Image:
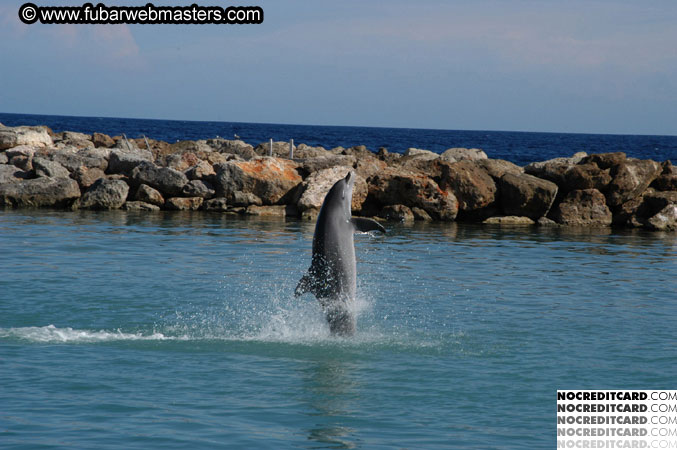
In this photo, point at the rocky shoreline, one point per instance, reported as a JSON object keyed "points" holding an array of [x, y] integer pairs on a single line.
{"points": [[70, 170]]}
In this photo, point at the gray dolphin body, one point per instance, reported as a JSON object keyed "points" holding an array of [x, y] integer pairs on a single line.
{"points": [[332, 274]]}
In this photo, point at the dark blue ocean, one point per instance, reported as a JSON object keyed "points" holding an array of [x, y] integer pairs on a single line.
{"points": [[518, 147]]}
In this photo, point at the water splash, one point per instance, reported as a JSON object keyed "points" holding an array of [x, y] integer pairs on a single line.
{"points": [[52, 334]]}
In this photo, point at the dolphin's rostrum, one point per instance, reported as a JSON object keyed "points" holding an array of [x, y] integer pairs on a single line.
{"points": [[332, 273]]}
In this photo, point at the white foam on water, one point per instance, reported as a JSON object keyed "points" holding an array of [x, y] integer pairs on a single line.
{"points": [[52, 334]]}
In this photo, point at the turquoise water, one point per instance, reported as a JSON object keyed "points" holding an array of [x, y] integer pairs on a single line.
{"points": [[175, 330]]}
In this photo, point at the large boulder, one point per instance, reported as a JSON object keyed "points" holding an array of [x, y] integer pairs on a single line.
{"points": [[472, 186], [32, 136], [412, 189], [630, 179], [397, 213], [584, 207], [270, 179], [554, 169], [72, 139], [45, 168], [459, 154], [124, 160], [637, 211], [421, 153], [105, 194], [167, 181], [56, 192], [316, 186], [605, 160], [526, 195], [202, 170]]}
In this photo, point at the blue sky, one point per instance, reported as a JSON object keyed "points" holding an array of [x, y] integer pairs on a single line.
{"points": [[596, 66]]}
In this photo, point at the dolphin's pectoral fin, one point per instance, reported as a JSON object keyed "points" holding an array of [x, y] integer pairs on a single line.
{"points": [[305, 285], [364, 225]]}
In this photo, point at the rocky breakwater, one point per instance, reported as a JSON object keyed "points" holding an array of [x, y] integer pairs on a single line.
{"points": [[40, 168]]}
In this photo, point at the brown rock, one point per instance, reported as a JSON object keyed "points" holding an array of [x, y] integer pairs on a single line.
{"points": [[102, 140], [471, 185], [667, 180], [526, 195], [311, 165], [412, 189], [198, 188], [184, 203], [268, 211], [586, 207], [509, 221], [87, 176], [605, 160], [420, 214], [398, 213], [140, 206], [201, 171], [270, 179], [586, 176], [147, 194], [630, 179]]}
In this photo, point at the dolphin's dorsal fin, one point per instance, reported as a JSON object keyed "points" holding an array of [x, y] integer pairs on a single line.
{"points": [[364, 225]]}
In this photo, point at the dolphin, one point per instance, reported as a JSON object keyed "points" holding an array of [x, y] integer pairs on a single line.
{"points": [[332, 273]]}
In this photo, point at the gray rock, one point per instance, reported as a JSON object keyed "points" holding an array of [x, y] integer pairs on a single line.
{"points": [[585, 207], [11, 174], [125, 161], [496, 168], [3, 158], [72, 159], [236, 147], [526, 195], [664, 220], [421, 153], [168, 181], [56, 192], [105, 194], [22, 162], [201, 171], [397, 213], [458, 154], [198, 188], [218, 204], [554, 169], [239, 198], [32, 136], [315, 164], [147, 194], [45, 168]]}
